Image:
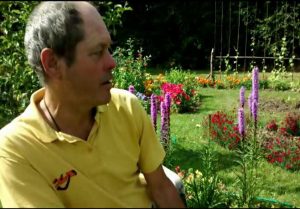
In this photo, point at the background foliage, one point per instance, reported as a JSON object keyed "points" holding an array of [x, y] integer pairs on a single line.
{"points": [[184, 32]]}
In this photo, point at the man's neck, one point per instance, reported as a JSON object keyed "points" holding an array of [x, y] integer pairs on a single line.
{"points": [[68, 115]]}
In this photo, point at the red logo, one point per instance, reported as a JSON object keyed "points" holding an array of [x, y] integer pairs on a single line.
{"points": [[62, 183]]}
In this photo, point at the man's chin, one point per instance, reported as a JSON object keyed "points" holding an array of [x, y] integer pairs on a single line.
{"points": [[105, 98]]}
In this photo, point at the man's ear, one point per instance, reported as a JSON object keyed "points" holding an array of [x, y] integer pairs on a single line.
{"points": [[50, 63]]}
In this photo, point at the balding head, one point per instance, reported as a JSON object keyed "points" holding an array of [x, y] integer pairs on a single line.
{"points": [[59, 26]]}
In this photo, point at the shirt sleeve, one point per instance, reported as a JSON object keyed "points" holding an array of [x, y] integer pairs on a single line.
{"points": [[22, 186], [151, 150]]}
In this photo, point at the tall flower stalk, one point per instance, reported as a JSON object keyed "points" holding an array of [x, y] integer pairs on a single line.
{"points": [[249, 153], [164, 134], [168, 108], [255, 84], [242, 96], [255, 88], [153, 111], [254, 112], [165, 106], [241, 123]]}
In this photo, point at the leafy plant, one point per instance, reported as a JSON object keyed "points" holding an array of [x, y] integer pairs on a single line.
{"points": [[113, 14], [281, 144], [17, 80], [223, 129], [277, 80], [188, 96], [131, 67], [183, 101], [203, 188]]}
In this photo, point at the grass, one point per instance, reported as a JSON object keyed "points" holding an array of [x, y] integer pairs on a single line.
{"points": [[275, 182]]}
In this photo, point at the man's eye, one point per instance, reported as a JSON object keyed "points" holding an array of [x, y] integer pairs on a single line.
{"points": [[98, 53]]}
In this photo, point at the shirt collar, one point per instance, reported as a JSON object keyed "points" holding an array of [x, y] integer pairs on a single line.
{"points": [[42, 129]]}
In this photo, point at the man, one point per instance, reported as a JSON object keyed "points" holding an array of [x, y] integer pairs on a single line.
{"points": [[80, 143]]}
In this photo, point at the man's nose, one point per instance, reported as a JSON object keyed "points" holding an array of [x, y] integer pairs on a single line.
{"points": [[111, 62]]}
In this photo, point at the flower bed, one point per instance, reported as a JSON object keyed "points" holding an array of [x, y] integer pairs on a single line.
{"points": [[281, 144]]}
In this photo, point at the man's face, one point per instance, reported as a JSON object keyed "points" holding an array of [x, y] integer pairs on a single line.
{"points": [[89, 77]]}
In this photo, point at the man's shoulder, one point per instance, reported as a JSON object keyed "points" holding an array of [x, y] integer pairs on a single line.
{"points": [[122, 99], [121, 93], [19, 128], [10, 128], [122, 96], [9, 132]]}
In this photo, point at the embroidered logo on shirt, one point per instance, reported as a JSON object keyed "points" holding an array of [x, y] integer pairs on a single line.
{"points": [[62, 183]]}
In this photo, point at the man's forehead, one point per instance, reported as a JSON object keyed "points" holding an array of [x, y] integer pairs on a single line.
{"points": [[97, 43]]}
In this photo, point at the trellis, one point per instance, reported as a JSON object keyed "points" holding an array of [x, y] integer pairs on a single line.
{"points": [[218, 55]]}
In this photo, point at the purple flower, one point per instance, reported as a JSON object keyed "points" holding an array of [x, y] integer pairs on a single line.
{"points": [[168, 107], [168, 100], [131, 89], [242, 96], [255, 84], [241, 121], [141, 96], [254, 110], [154, 111], [164, 124], [250, 100]]}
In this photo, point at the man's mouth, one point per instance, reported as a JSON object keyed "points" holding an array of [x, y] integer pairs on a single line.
{"points": [[107, 82]]}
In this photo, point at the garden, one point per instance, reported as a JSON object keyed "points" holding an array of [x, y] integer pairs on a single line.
{"points": [[232, 134], [235, 141]]}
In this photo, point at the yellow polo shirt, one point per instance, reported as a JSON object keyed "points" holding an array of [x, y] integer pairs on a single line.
{"points": [[40, 167]]}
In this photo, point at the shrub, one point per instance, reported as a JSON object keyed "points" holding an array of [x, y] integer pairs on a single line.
{"points": [[153, 84], [188, 98], [276, 81], [223, 130], [17, 80], [281, 144], [291, 124], [131, 67], [183, 101], [283, 151]]}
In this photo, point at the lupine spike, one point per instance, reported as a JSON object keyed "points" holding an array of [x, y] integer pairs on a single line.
{"points": [[241, 121], [164, 124], [154, 111], [168, 108], [168, 100], [254, 110]]}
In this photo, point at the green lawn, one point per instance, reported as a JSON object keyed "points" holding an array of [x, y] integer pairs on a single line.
{"points": [[188, 131]]}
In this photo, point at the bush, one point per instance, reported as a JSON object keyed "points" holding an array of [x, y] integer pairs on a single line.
{"points": [[17, 81], [188, 96], [223, 130], [276, 81], [281, 144], [131, 67]]}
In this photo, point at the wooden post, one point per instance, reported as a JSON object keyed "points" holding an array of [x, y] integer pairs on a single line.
{"points": [[211, 74]]}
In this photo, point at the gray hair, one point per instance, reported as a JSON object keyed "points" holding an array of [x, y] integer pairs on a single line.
{"points": [[55, 25]]}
